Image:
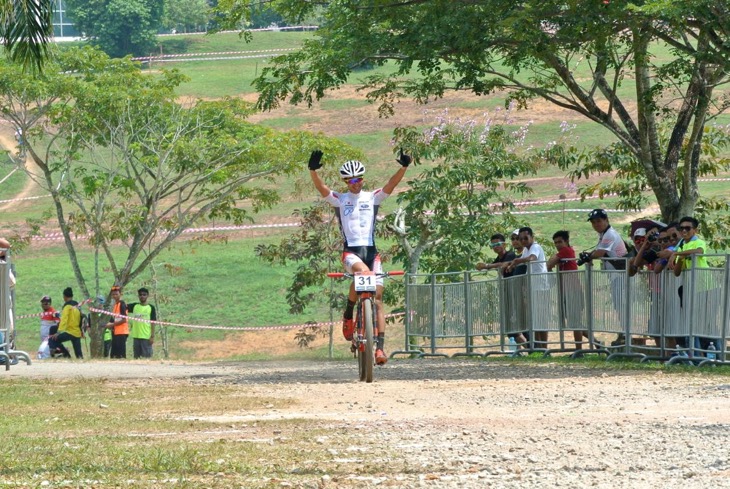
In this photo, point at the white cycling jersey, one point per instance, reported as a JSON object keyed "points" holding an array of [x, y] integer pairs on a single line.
{"points": [[356, 214]]}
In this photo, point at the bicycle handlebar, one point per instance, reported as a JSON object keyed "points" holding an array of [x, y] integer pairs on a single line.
{"points": [[350, 275]]}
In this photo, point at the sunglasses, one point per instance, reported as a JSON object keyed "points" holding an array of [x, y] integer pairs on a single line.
{"points": [[524, 238], [685, 228], [663, 240], [494, 245], [353, 181]]}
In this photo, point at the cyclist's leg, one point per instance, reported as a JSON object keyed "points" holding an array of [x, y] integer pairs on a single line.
{"points": [[352, 264]]}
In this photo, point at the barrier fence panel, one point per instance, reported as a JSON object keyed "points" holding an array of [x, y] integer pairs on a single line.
{"points": [[8, 355], [657, 313]]}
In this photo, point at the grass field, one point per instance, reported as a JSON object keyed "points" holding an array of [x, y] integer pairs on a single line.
{"points": [[224, 283]]}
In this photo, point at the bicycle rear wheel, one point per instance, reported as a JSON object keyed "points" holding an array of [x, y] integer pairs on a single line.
{"points": [[367, 353]]}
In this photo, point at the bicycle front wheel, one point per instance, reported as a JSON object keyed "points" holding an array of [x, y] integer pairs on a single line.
{"points": [[368, 353]]}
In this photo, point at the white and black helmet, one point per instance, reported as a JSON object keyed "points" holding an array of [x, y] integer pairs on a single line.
{"points": [[352, 169]]}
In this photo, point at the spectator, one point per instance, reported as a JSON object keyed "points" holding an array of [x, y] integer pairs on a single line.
{"points": [[49, 322], [118, 324], [141, 329], [571, 287], [647, 250], [647, 257], [705, 293], [504, 256], [639, 239], [610, 245], [517, 248], [69, 328], [533, 254], [672, 240]]}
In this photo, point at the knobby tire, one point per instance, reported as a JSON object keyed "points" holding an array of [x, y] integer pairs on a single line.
{"points": [[368, 355]]}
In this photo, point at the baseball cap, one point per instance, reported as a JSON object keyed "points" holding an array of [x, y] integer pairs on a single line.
{"points": [[597, 214], [515, 232], [640, 232], [46, 298]]}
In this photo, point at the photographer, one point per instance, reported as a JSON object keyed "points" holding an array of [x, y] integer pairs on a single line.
{"points": [[647, 249], [610, 244]]}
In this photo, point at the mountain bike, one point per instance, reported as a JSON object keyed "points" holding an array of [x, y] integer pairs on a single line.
{"points": [[366, 324]]}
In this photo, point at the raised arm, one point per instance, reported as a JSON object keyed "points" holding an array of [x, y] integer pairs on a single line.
{"points": [[404, 160], [315, 163]]}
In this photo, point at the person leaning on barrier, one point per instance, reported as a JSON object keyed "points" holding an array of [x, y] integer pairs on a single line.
{"points": [[572, 287], [668, 239], [498, 245], [534, 255], [517, 249], [692, 244], [610, 244], [640, 240], [504, 257]]}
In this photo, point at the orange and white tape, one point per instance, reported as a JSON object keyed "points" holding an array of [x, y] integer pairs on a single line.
{"points": [[229, 328], [37, 315]]}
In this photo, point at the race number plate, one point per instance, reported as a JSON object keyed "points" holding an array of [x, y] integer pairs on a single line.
{"points": [[365, 282]]}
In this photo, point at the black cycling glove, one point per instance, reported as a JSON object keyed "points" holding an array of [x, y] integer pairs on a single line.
{"points": [[315, 160], [404, 159]]}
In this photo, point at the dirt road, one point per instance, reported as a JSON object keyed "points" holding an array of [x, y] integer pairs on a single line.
{"points": [[466, 423]]}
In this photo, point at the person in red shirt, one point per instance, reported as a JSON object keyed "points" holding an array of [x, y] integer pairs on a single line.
{"points": [[571, 287], [49, 326]]}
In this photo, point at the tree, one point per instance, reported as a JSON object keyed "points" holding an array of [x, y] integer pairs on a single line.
{"points": [[649, 71], [124, 162], [317, 248], [25, 30], [449, 208], [119, 27], [186, 15]]}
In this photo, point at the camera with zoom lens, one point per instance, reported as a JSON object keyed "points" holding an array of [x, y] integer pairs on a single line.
{"points": [[583, 258], [652, 237]]}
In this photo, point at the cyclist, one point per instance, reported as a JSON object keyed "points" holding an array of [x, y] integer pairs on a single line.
{"points": [[356, 213]]}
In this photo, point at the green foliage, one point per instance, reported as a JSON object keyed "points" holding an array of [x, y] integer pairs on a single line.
{"points": [[125, 162], [317, 247], [119, 27], [600, 60], [186, 15], [25, 29], [450, 209]]}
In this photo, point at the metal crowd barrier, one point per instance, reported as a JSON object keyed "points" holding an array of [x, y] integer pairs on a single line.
{"points": [[8, 355], [659, 316]]}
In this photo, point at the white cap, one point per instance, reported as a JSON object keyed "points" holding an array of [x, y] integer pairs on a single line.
{"points": [[515, 232], [640, 232]]}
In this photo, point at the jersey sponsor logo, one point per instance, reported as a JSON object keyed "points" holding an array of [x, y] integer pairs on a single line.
{"points": [[348, 209]]}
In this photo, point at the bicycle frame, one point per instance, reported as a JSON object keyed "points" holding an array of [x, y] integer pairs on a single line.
{"points": [[366, 323]]}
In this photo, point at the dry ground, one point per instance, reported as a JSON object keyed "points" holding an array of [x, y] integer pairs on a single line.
{"points": [[464, 423]]}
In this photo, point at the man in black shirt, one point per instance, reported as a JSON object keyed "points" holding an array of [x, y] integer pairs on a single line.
{"points": [[498, 244]]}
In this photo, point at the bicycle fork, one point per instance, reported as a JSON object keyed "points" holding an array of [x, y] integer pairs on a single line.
{"points": [[358, 339]]}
